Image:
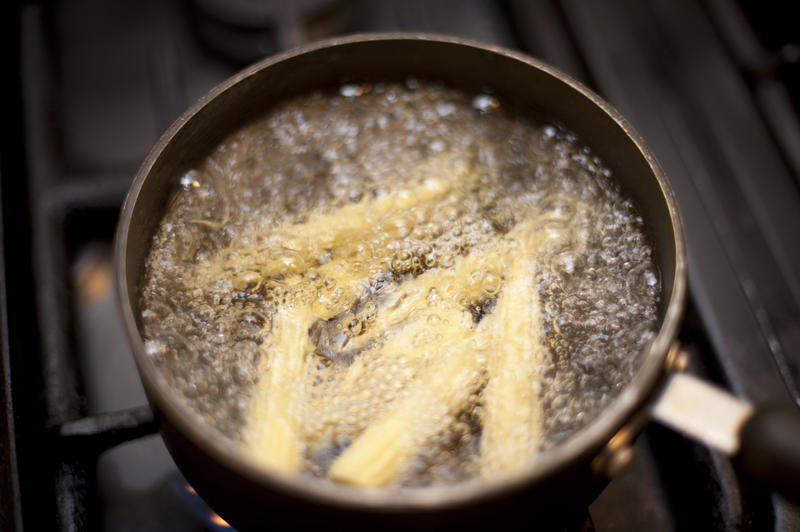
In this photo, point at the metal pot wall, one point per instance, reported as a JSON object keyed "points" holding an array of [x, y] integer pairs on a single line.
{"points": [[569, 475]]}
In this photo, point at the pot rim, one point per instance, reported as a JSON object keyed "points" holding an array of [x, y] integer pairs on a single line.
{"points": [[590, 439]]}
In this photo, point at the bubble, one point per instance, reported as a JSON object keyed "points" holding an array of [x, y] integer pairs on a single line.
{"points": [[437, 146], [368, 312], [351, 90], [355, 327], [154, 349], [430, 260], [490, 284], [189, 180], [403, 261], [483, 103], [445, 108]]}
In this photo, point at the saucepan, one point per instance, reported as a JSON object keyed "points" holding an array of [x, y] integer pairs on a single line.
{"points": [[566, 476]]}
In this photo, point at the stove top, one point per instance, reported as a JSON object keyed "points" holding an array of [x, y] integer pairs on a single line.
{"points": [[712, 85]]}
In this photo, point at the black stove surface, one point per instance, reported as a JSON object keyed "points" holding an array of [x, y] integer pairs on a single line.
{"points": [[712, 85]]}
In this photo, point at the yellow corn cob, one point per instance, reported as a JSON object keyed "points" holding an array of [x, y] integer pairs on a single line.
{"points": [[377, 456], [271, 434], [296, 247], [511, 413]]}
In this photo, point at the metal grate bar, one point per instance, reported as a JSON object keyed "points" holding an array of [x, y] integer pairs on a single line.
{"points": [[95, 434]]}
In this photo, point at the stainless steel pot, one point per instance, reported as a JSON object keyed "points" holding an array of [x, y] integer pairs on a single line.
{"points": [[569, 475]]}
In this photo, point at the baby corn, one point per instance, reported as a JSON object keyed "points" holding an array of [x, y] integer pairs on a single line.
{"points": [[387, 446], [272, 431], [512, 421]]}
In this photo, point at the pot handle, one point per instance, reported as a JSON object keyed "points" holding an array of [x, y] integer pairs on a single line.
{"points": [[766, 441], [770, 449]]}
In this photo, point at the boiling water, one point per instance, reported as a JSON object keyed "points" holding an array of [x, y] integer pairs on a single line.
{"points": [[324, 264]]}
